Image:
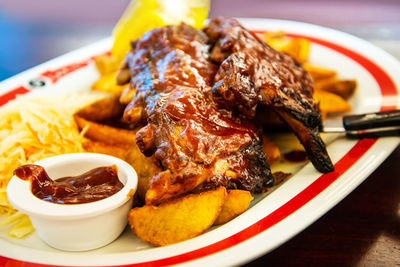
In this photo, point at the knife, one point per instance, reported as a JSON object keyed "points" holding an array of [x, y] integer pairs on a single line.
{"points": [[369, 125]]}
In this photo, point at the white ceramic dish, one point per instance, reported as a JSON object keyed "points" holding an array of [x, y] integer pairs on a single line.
{"points": [[82, 226], [272, 219]]}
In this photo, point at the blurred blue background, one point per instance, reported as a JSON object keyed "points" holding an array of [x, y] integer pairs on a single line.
{"points": [[32, 32]]}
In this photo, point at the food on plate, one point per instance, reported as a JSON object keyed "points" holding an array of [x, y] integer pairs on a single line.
{"points": [[106, 107], [107, 83], [252, 74], [279, 176], [33, 128], [297, 48], [199, 146], [107, 134], [178, 84], [330, 103], [21, 224], [106, 64], [177, 219], [295, 156], [325, 79], [93, 185], [143, 15], [145, 167], [270, 149], [236, 202], [183, 93], [139, 17], [342, 88], [184, 109], [319, 73], [113, 140], [119, 151]]}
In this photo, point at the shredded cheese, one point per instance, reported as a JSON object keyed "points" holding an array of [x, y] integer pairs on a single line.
{"points": [[33, 128]]}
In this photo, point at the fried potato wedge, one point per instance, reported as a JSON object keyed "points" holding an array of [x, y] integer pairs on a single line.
{"points": [[145, 167], [103, 109], [236, 202], [270, 149], [103, 148], [302, 48], [178, 219], [127, 95], [343, 88], [278, 41], [106, 64], [108, 83], [330, 103], [106, 134], [318, 73], [298, 48], [268, 36]]}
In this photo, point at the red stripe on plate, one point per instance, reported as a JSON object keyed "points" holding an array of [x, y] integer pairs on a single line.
{"points": [[12, 94], [388, 90], [56, 74]]}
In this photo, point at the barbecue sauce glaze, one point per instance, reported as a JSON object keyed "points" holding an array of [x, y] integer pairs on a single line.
{"points": [[96, 184]]}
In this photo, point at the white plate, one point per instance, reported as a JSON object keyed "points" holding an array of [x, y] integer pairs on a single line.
{"points": [[272, 219]]}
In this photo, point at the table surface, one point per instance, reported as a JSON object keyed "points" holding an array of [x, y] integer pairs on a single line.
{"points": [[364, 228]]}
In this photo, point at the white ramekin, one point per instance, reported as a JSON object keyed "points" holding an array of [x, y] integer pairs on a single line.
{"points": [[76, 227]]}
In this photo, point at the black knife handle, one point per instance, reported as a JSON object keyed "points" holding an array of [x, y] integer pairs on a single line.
{"points": [[372, 120]]}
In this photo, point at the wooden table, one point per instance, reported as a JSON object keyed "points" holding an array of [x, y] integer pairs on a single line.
{"points": [[362, 230]]}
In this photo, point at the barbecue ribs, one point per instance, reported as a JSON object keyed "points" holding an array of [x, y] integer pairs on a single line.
{"points": [[253, 76], [199, 145]]}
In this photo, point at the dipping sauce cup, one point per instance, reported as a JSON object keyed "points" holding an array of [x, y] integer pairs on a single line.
{"points": [[76, 227]]}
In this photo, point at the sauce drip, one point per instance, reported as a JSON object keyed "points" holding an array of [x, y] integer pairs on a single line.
{"points": [[296, 156], [96, 184]]}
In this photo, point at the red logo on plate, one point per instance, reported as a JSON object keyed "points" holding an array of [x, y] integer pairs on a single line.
{"points": [[55, 75]]}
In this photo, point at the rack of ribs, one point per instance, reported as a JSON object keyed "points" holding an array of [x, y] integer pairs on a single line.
{"points": [[253, 77], [200, 145]]}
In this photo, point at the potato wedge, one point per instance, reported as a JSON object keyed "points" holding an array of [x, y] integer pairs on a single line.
{"points": [[298, 48], [145, 167], [103, 109], [343, 88], [103, 148], [318, 73], [108, 83], [106, 134], [268, 36], [279, 43], [330, 103], [127, 95], [236, 202], [270, 149], [302, 48], [106, 64], [178, 219]]}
